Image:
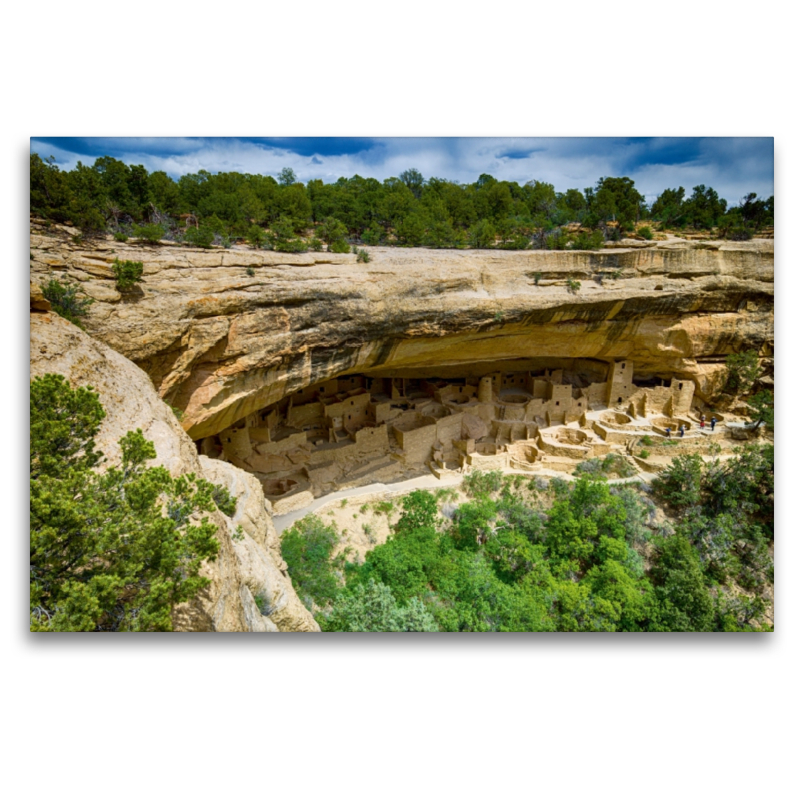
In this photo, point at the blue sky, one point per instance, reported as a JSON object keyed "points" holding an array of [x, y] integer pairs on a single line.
{"points": [[733, 166]]}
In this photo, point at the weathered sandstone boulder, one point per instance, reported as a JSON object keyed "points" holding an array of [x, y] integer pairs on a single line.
{"points": [[246, 567], [263, 570], [220, 343]]}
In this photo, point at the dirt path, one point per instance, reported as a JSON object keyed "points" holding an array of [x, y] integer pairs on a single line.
{"points": [[284, 521]]}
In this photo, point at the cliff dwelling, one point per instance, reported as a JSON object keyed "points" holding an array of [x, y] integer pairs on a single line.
{"points": [[358, 429]]}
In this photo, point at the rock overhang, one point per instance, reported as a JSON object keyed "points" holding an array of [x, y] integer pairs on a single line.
{"points": [[220, 343]]}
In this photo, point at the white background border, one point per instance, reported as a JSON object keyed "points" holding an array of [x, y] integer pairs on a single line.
{"points": [[381, 716]]}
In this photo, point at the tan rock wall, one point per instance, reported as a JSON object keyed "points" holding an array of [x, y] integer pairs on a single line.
{"points": [[220, 344]]}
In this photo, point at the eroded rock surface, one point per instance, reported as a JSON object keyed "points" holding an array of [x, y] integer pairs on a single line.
{"points": [[220, 343], [248, 564]]}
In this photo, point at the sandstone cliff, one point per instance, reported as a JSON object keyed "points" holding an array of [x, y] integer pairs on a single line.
{"points": [[248, 566], [223, 333]]}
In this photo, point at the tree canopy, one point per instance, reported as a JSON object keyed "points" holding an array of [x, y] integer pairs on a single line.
{"points": [[110, 551], [525, 555], [409, 210]]}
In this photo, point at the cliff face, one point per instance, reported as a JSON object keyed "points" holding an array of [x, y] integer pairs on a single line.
{"points": [[246, 567], [225, 333]]}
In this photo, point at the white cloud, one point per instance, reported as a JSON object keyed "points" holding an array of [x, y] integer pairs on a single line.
{"points": [[732, 166]]}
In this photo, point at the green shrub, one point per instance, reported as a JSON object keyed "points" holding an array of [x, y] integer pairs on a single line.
{"points": [[65, 302], [362, 256], [339, 246], [645, 232], [115, 551], [680, 484], [282, 237], [307, 547], [762, 409], [384, 507], [373, 235], [644, 454], [369, 531], [482, 483], [331, 230], [263, 604], [743, 369], [612, 464], [224, 500], [152, 233], [127, 273], [199, 237], [120, 236], [573, 286], [373, 607], [256, 236], [537, 276], [315, 244], [588, 241], [557, 240], [482, 235], [250, 272]]}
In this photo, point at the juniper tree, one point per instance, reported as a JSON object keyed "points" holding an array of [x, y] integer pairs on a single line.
{"points": [[111, 551]]}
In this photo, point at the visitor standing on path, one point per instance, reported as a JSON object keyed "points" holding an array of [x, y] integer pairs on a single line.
{"points": [[702, 420], [681, 431], [669, 433], [713, 423]]}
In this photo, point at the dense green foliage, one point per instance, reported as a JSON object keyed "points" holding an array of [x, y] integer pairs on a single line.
{"points": [[373, 607], [705, 210], [725, 509], [525, 555], [308, 549], [65, 301], [762, 405], [114, 551], [412, 211], [743, 370]]}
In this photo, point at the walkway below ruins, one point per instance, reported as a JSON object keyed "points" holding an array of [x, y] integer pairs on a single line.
{"points": [[283, 522]]}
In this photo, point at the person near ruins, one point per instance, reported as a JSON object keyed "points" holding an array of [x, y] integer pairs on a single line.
{"points": [[713, 423], [681, 431], [702, 420], [669, 433]]}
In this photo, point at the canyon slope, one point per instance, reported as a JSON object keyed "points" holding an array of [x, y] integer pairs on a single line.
{"points": [[224, 333], [249, 588]]}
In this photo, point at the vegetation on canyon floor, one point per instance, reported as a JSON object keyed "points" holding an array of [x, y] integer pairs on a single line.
{"points": [[205, 209], [526, 554], [110, 551]]}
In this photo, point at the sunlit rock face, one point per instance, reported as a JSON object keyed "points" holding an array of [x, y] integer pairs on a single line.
{"points": [[248, 569], [225, 333]]}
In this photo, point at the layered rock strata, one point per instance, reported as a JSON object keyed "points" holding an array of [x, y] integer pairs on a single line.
{"points": [[225, 333]]}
